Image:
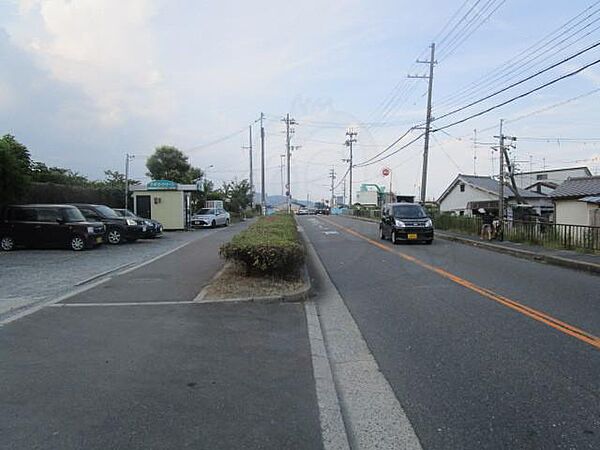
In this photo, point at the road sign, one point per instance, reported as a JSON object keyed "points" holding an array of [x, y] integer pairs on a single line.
{"points": [[385, 171]]}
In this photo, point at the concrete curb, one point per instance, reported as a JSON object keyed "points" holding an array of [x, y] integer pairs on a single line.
{"points": [[525, 254]]}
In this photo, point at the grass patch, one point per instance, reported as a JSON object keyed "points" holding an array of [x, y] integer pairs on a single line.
{"points": [[271, 246]]}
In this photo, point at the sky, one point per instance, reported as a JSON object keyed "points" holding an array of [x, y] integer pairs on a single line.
{"points": [[83, 82]]}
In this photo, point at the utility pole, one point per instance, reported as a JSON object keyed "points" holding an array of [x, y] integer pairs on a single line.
{"points": [[249, 148], [333, 177], [501, 205], [251, 168], [281, 164], [475, 151], [344, 192], [351, 139], [429, 77], [128, 158], [263, 197], [288, 152]]}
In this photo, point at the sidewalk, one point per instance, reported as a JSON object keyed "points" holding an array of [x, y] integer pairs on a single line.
{"points": [[565, 258], [135, 363]]}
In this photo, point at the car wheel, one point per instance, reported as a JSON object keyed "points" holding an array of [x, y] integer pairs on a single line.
{"points": [[394, 240], [7, 243], [77, 243], [114, 236], [227, 222], [213, 224], [429, 242], [381, 234]]}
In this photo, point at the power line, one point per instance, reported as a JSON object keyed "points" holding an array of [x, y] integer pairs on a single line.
{"points": [[218, 140], [393, 153], [525, 94], [523, 59], [470, 28], [530, 77]]}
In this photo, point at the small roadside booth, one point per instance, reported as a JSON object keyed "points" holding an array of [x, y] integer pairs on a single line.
{"points": [[165, 201]]}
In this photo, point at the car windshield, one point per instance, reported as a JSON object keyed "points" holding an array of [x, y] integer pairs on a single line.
{"points": [[73, 215], [107, 212], [206, 211], [409, 212], [124, 212]]}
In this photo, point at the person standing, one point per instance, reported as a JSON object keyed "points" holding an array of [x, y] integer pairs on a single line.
{"points": [[488, 224]]}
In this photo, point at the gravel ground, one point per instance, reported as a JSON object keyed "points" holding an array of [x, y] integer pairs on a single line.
{"points": [[30, 276], [233, 283]]}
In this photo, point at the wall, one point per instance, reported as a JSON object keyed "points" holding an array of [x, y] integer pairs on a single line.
{"points": [[571, 212], [527, 179], [457, 200], [366, 198], [170, 211]]}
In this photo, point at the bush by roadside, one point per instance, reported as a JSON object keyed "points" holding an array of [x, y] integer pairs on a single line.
{"points": [[269, 246]]}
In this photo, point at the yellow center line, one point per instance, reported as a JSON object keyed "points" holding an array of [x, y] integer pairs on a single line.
{"points": [[512, 304]]}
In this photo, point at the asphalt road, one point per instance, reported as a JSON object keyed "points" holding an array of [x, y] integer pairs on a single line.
{"points": [[92, 372], [482, 350]]}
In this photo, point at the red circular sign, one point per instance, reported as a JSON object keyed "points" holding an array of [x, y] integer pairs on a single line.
{"points": [[385, 171]]}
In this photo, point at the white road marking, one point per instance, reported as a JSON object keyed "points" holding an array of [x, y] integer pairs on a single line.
{"points": [[330, 232], [372, 414], [160, 303]]}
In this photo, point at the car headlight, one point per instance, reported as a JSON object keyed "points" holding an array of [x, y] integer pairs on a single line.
{"points": [[147, 222], [131, 222], [90, 230], [399, 223], [428, 223]]}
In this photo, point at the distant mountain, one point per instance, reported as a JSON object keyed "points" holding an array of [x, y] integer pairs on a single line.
{"points": [[279, 199]]}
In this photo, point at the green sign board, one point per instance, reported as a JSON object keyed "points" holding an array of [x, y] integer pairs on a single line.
{"points": [[162, 185]]}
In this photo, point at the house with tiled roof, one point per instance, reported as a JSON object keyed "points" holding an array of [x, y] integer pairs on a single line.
{"points": [[577, 201], [467, 193]]}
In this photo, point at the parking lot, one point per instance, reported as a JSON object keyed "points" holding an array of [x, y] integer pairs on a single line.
{"points": [[28, 277]]}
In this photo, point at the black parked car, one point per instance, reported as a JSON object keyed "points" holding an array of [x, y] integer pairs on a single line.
{"points": [[405, 222], [118, 229], [48, 226], [153, 227]]}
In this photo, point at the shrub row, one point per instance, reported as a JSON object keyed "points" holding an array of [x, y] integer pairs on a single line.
{"points": [[269, 246]]}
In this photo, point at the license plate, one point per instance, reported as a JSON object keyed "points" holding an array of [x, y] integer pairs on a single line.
{"points": [[143, 229], [98, 239], [412, 236]]}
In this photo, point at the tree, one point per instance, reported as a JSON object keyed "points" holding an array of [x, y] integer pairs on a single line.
{"points": [[238, 194], [115, 179], [169, 163], [14, 180], [18, 150], [44, 174], [15, 166]]}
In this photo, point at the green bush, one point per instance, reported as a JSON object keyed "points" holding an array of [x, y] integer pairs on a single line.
{"points": [[269, 246]]}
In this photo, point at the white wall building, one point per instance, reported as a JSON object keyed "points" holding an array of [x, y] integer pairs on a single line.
{"points": [[543, 181], [577, 202], [467, 193]]}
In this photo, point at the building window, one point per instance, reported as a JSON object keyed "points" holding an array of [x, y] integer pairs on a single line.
{"points": [[462, 187], [542, 176]]}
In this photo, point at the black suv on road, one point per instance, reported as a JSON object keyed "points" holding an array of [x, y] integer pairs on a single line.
{"points": [[118, 229], [48, 226], [405, 222]]}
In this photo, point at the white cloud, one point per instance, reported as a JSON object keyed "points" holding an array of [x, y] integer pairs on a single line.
{"points": [[106, 48]]}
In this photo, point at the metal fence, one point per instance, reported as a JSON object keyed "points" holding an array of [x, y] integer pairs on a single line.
{"points": [[577, 237]]}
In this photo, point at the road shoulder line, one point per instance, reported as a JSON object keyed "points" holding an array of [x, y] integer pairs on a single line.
{"points": [[371, 412], [333, 430]]}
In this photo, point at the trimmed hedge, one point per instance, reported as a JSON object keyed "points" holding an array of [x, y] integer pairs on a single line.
{"points": [[269, 246]]}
